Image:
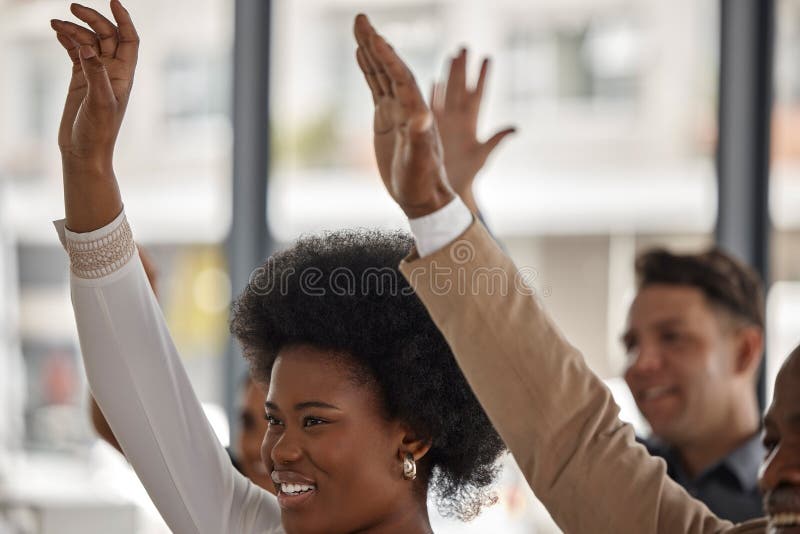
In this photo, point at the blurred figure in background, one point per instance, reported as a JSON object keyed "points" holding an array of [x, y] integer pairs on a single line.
{"points": [[695, 339]]}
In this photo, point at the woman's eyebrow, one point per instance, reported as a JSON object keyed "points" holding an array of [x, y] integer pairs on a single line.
{"points": [[303, 405], [315, 404]]}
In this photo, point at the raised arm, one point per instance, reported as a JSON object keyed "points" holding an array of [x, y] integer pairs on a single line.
{"points": [[456, 107], [99, 421], [558, 418], [132, 365], [103, 63]]}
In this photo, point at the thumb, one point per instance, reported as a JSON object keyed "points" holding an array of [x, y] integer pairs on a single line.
{"points": [[495, 140], [96, 75]]}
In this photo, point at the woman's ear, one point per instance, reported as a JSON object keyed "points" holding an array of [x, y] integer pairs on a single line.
{"points": [[414, 445]]}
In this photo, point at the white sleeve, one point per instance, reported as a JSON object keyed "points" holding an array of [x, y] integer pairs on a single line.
{"points": [[442, 227], [138, 380]]}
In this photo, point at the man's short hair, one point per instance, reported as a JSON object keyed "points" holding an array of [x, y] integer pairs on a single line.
{"points": [[725, 281]]}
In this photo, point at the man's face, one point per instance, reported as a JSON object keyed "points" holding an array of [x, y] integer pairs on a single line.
{"points": [[780, 473], [680, 361]]}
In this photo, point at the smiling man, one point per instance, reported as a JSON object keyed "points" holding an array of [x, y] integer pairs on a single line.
{"points": [[694, 340]]}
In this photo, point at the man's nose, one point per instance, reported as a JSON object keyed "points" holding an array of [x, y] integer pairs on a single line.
{"points": [[645, 359]]}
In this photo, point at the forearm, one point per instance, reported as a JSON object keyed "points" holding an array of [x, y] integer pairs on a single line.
{"points": [[91, 195]]}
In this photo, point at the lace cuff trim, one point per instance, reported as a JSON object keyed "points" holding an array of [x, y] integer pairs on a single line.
{"points": [[100, 255]]}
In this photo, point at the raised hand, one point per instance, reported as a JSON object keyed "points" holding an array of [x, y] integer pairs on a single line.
{"points": [[455, 108], [103, 63], [407, 145]]}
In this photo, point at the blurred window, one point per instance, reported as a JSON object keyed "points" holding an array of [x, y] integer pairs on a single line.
{"points": [[784, 295]]}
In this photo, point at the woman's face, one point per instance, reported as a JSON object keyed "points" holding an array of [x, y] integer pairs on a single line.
{"points": [[336, 461], [251, 436]]}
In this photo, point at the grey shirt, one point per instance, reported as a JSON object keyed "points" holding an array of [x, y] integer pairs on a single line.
{"points": [[729, 488]]}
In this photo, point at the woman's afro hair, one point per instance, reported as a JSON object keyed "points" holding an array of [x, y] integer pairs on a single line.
{"points": [[343, 292]]}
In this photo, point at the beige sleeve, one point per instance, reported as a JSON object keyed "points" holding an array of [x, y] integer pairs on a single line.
{"points": [[558, 419]]}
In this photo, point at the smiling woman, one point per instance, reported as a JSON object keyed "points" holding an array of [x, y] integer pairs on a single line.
{"points": [[367, 407], [362, 385]]}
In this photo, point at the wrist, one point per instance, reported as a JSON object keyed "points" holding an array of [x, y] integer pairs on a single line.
{"points": [[87, 168], [440, 198]]}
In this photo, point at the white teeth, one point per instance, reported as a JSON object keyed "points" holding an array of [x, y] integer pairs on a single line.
{"points": [[653, 393], [295, 489], [785, 520]]}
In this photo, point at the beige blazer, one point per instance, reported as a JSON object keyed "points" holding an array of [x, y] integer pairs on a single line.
{"points": [[557, 418]]}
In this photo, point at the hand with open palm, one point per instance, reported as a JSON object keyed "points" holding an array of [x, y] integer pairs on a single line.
{"points": [[407, 145], [456, 108]]}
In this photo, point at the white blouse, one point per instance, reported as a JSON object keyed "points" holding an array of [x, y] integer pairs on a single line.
{"points": [[137, 377]]}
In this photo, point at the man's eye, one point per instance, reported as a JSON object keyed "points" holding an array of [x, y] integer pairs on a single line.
{"points": [[670, 337], [313, 421]]}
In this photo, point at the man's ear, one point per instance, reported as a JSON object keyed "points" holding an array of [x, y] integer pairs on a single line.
{"points": [[749, 350]]}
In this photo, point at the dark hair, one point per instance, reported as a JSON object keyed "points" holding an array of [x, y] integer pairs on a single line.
{"points": [[725, 281], [343, 292]]}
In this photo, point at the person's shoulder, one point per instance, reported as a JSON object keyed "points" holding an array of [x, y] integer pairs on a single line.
{"points": [[750, 527]]}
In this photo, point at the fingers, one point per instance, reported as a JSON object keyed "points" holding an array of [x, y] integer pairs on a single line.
{"points": [[128, 44], [369, 74], [364, 32], [79, 34], [478, 93], [378, 57], [455, 94], [403, 85], [495, 140], [70, 46], [105, 31], [96, 75]]}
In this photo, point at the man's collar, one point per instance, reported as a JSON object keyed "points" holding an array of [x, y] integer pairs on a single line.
{"points": [[745, 461]]}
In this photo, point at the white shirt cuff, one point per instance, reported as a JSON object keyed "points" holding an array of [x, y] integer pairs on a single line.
{"points": [[101, 252], [433, 232]]}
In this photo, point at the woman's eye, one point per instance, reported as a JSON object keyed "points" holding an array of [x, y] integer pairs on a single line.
{"points": [[313, 421], [770, 444], [272, 420]]}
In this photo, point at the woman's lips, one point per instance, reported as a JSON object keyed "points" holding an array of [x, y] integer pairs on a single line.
{"points": [[783, 508], [290, 501]]}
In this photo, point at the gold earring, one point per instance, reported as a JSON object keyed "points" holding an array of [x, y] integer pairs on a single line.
{"points": [[409, 467]]}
